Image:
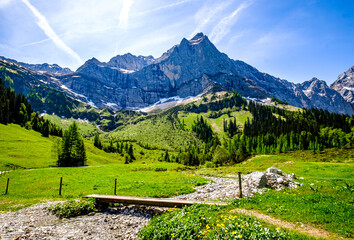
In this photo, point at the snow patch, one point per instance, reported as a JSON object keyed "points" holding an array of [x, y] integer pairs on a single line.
{"points": [[43, 81], [172, 100], [126, 71], [255, 99], [348, 88], [89, 102], [109, 104]]}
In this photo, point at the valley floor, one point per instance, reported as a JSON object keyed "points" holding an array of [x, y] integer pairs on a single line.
{"points": [[124, 222]]}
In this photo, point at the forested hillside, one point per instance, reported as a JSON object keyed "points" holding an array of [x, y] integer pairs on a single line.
{"points": [[14, 108]]}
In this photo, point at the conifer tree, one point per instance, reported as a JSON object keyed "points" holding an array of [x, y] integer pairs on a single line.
{"points": [[72, 151], [97, 142]]}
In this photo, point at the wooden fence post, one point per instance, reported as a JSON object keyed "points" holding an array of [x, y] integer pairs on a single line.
{"points": [[240, 184], [115, 186], [61, 183], [7, 186]]}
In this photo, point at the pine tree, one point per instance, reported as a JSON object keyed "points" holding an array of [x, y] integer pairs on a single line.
{"points": [[72, 151], [97, 142], [131, 152], [167, 156]]}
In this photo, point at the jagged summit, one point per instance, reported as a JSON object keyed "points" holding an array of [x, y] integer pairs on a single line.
{"points": [[188, 69], [198, 38], [345, 85], [131, 62]]}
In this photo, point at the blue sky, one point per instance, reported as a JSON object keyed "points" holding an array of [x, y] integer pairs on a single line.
{"points": [[291, 39]]}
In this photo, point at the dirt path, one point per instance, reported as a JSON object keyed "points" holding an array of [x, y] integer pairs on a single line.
{"points": [[303, 228]]}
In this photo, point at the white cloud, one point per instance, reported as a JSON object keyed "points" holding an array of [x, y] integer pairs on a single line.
{"points": [[4, 3], [224, 25], [207, 14], [167, 6], [44, 25], [124, 14]]}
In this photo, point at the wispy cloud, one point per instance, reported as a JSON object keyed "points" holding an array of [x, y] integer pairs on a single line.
{"points": [[166, 6], [44, 25], [224, 25], [42, 41], [207, 14], [124, 14], [4, 3]]}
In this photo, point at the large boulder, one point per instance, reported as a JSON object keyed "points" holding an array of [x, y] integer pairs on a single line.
{"points": [[256, 180]]}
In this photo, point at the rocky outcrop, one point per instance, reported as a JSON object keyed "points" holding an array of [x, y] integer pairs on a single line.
{"points": [[130, 62], [345, 85], [321, 96]]}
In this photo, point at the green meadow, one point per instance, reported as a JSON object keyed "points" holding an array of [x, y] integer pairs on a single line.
{"points": [[325, 201]]}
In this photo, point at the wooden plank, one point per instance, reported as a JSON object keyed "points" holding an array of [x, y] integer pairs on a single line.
{"points": [[161, 202]]}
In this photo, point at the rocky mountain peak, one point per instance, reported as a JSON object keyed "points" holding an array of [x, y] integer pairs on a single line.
{"points": [[198, 36], [130, 62], [345, 85], [188, 69], [91, 63], [314, 85], [322, 96]]}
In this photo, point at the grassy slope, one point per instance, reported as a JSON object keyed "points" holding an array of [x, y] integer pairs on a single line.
{"points": [[86, 129], [327, 203], [217, 123], [157, 132], [23, 148], [28, 149]]}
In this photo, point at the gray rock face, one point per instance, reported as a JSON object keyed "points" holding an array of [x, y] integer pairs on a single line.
{"points": [[130, 62], [45, 67], [189, 69], [345, 85], [322, 96]]}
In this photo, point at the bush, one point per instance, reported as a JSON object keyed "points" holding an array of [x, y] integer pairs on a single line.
{"points": [[204, 221], [73, 208]]}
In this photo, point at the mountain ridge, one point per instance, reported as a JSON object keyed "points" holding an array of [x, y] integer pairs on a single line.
{"points": [[188, 69]]}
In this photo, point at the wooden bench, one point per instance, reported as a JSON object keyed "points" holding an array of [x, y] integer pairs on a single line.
{"points": [[161, 202]]}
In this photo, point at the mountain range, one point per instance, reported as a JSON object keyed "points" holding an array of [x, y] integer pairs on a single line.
{"points": [[188, 69]]}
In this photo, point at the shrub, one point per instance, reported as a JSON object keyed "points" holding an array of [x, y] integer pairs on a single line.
{"points": [[204, 222], [73, 208]]}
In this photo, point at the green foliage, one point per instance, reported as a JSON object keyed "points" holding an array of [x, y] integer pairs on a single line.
{"points": [[205, 222], [277, 101], [72, 151], [203, 130], [97, 142], [87, 129], [325, 204], [73, 208], [14, 108], [230, 127], [156, 132], [235, 100]]}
